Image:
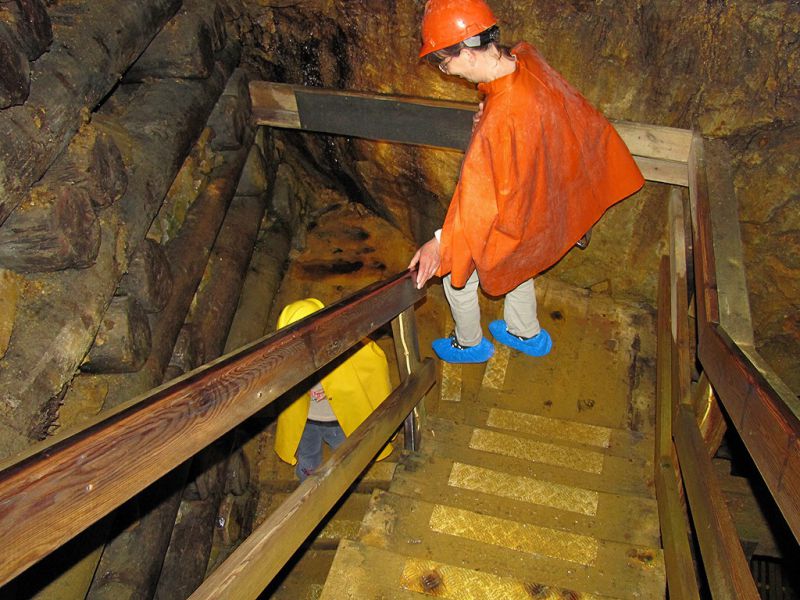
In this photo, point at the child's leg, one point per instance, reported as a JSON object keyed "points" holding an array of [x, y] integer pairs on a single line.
{"points": [[309, 450], [334, 436]]}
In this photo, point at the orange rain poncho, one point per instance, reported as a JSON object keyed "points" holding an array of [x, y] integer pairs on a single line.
{"points": [[542, 166]]}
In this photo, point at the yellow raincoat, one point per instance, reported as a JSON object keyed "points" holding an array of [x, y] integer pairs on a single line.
{"points": [[355, 388]]}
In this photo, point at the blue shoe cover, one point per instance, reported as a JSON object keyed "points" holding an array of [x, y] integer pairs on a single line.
{"points": [[538, 345], [449, 351]]}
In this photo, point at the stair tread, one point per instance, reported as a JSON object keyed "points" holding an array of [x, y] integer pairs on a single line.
{"points": [[560, 461], [515, 548], [604, 515], [366, 572]]}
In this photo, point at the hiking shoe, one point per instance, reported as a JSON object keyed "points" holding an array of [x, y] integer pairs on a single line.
{"points": [[538, 345], [449, 350]]}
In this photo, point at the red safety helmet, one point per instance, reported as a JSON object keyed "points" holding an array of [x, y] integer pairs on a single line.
{"points": [[448, 22]]}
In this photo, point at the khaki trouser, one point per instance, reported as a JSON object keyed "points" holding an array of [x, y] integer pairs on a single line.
{"points": [[519, 310]]}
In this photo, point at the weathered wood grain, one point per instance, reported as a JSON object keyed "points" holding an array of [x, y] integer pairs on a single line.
{"points": [[149, 278], [94, 43], [61, 311], [661, 152], [58, 488], [30, 23], [766, 413], [723, 559], [15, 71], [182, 49]]}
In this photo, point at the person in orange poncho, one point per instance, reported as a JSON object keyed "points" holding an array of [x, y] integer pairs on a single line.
{"points": [[333, 407], [541, 168]]}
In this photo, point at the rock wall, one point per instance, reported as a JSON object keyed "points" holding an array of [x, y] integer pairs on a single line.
{"points": [[729, 69]]}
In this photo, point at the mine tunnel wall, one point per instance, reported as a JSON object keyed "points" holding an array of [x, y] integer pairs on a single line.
{"points": [[136, 195]]}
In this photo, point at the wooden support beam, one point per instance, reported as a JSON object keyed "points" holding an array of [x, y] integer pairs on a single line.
{"points": [[96, 45], [122, 343], [30, 25], [253, 565], [661, 152], [182, 49], [724, 562], [60, 487], [154, 134]]}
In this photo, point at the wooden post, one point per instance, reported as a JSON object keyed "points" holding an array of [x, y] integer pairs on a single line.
{"points": [[404, 331], [680, 569], [30, 24], [149, 278], [182, 49], [15, 71], [679, 300]]}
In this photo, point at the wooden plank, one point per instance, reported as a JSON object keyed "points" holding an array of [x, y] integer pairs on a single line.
{"points": [[664, 412], [681, 572], [723, 560], [661, 152], [262, 555], [679, 302], [655, 141], [662, 171], [98, 467], [705, 273]]}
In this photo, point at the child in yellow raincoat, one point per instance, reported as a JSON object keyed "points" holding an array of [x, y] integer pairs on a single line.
{"points": [[335, 406]]}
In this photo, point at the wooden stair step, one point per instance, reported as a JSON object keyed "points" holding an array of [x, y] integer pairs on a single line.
{"points": [[603, 515], [618, 442], [366, 572], [564, 462], [516, 548]]}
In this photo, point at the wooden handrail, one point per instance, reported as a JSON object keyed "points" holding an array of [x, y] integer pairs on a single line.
{"points": [[764, 410], [724, 563], [59, 488], [247, 571]]}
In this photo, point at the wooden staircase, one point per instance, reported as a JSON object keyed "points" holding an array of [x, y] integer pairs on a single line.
{"points": [[506, 500]]}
